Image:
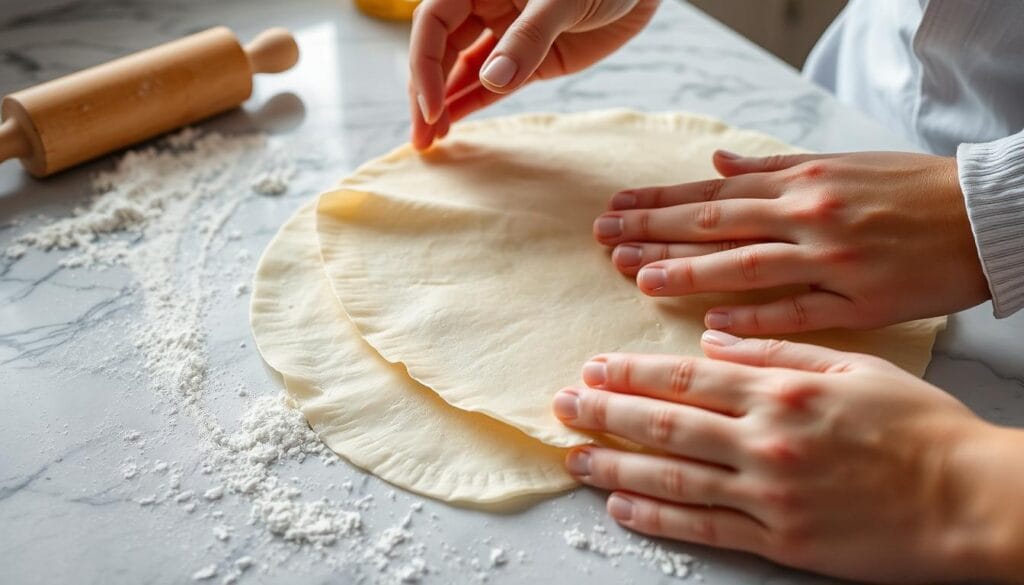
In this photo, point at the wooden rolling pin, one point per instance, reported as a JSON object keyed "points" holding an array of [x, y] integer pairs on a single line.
{"points": [[70, 120]]}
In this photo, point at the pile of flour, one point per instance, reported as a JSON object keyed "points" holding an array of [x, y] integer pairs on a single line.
{"points": [[161, 214]]}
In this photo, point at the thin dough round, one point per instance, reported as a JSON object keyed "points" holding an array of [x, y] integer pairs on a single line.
{"points": [[475, 266], [370, 411]]}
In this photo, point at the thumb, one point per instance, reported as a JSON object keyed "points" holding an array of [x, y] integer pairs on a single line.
{"points": [[731, 164], [526, 43], [775, 353]]}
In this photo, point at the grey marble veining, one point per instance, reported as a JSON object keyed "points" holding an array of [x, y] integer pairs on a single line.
{"points": [[67, 515]]}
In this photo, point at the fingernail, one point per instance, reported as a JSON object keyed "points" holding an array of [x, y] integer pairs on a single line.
{"points": [[620, 508], [652, 279], [567, 404], [728, 155], [608, 227], [624, 200], [628, 255], [717, 320], [719, 338], [500, 71], [422, 101], [595, 373], [578, 462]]}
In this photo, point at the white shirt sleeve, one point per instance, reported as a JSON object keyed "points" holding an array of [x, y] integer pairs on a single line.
{"points": [[992, 179]]}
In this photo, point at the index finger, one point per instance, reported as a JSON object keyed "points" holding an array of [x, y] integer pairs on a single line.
{"points": [[754, 186], [433, 22], [720, 386]]}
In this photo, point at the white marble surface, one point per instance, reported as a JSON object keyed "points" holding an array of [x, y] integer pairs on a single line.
{"points": [[67, 514]]}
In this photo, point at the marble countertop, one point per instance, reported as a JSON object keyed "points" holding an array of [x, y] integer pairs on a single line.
{"points": [[74, 408]]}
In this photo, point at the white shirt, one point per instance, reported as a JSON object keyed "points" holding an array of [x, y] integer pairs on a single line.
{"points": [[949, 75]]}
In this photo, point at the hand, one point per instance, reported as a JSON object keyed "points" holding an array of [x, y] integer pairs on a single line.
{"points": [[834, 462], [465, 55], [878, 238]]}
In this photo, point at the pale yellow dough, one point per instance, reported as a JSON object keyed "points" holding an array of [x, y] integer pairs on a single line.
{"points": [[370, 411], [474, 264]]}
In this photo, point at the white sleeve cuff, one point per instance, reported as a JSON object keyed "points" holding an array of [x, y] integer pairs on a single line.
{"points": [[992, 179]]}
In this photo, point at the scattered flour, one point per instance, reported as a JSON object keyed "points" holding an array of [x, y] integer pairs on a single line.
{"points": [[498, 557], [206, 573], [670, 563]]}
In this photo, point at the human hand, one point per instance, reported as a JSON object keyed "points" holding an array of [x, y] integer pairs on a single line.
{"points": [[879, 238], [834, 462], [465, 55]]}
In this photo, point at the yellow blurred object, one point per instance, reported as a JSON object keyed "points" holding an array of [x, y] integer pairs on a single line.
{"points": [[388, 9]]}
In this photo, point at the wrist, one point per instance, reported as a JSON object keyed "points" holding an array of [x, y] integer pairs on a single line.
{"points": [[985, 538]]}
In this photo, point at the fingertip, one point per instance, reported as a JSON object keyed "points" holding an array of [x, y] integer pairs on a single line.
{"points": [[595, 373], [727, 155], [652, 279], [627, 257], [718, 319], [607, 228], [421, 101], [727, 163], [620, 507], [577, 461], [443, 125], [623, 200], [422, 141], [498, 72], [566, 404], [716, 338]]}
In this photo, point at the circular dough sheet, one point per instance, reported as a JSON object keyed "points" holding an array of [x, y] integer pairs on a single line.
{"points": [[368, 410], [475, 266]]}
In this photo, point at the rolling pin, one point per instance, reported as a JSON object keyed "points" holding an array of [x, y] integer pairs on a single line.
{"points": [[70, 120]]}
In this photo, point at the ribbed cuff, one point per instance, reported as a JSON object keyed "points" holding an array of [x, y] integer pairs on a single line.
{"points": [[992, 179]]}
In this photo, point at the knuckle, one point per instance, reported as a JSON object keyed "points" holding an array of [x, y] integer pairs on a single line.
{"points": [[814, 170], [662, 426], [663, 252], [622, 369], [712, 189], [822, 207], [777, 452], [754, 318], [772, 349], [643, 225], [647, 517], [705, 530], [606, 470], [796, 395], [750, 263], [657, 197], [783, 498], [681, 378], [797, 313], [774, 161], [653, 517], [681, 274], [726, 245], [598, 403], [838, 255], [673, 482], [709, 214], [529, 32]]}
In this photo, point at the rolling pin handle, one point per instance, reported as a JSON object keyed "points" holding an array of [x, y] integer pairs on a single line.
{"points": [[13, 142], [272, 51]]}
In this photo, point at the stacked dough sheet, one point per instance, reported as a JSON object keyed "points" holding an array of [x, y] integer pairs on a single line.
{"points": [[424, 313]]}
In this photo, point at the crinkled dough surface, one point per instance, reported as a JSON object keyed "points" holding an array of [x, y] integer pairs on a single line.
{"points": [[473, 264], [370, 411]]}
